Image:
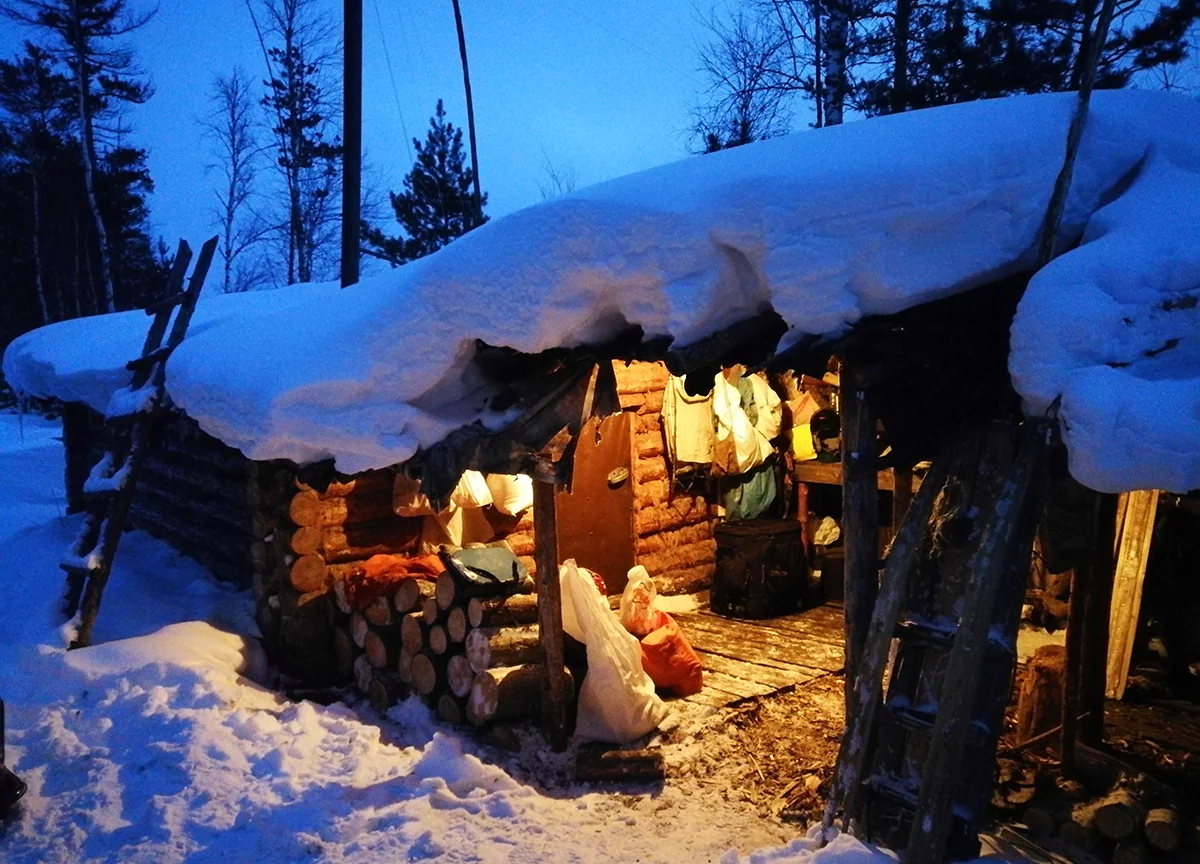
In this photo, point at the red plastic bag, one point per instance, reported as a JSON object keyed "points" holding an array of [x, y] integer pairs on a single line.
{"points": [[670, 661]]}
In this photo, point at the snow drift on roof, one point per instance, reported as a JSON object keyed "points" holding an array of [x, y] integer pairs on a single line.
{"points": [[823, 226]]}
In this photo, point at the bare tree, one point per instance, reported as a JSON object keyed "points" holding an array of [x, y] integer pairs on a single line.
{"points": [[232, 133], [302, 54], [559, 180], [87, 39], [749, 87]]}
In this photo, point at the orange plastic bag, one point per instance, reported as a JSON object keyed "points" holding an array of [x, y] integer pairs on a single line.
{"points": [[670, 661]]}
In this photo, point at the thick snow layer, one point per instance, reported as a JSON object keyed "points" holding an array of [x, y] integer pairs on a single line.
{"points": [[83, 359], [154, 746], [823, 226], [1114, 328]]}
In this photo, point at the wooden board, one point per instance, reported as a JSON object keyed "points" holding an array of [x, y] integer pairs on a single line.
{"points": [[595, 521], [749, 659], [1135, 533], [830, 474]]}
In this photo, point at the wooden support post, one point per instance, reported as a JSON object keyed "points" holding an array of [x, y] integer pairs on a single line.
{"points": [[1081, 588], [351, 138], [860, 523], [549, 596], [1095, 628], [901, 496]]}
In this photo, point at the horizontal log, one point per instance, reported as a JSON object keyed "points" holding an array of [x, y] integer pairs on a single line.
{"points": [[509, 694], [502, 646], [451, 709], [369, 483], [412, 593], [459, 675], [364, 674], [412, 632], [640, 377], [439, 642], [645, 470], [520, 542], [594, 764], [309, 509], [309, 573], [503, 611], [385, 690], [382, 648], [359, 628], [424, 674], [456, 625], [687, 581], [393, 535], [681, 558], [701, 532], [668, 515]]}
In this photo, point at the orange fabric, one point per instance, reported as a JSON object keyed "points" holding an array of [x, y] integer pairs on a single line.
{"points": [[670, 661], [379, 575]]}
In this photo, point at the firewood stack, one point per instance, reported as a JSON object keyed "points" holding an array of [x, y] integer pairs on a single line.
{"points": [[473, 660], [1129, 824]]}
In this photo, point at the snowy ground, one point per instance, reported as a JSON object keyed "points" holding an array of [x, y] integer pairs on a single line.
{"points": [[153, 746]]}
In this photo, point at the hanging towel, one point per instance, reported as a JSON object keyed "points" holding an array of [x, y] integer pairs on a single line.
{"points": [[687, 424]]}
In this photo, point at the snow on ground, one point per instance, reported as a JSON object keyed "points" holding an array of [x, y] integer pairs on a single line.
{"points": [[152, 746], [824, 226]]}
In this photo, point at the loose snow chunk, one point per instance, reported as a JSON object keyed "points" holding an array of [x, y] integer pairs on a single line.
{"points": [[125, 401], [1114, 327]]}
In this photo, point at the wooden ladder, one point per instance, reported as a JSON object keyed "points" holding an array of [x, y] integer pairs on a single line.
{"points": [[133, 418], [915, 767]]}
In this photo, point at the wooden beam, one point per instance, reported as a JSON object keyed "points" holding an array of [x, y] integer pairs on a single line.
{"points": [[860, 525], [1095, 628], [902, 494], [545, 555], [1133, 552], [1073, 678], [830, 474]]}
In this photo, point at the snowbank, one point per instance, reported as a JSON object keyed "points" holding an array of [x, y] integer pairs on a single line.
{"points": [[824, 226]]}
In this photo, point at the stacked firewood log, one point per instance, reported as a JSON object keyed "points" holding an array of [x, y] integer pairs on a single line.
{"points": [[474, 660], [1132, 823]]}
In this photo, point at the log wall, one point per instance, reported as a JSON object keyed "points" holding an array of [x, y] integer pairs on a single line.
{"points": [[674, 529]]}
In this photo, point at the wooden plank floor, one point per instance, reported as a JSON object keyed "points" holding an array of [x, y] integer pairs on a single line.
{"points": [[747, 659]]}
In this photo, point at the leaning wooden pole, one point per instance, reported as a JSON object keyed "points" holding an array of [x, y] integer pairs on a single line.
{"points": [[351, 139], [549, 604], [462, 52], [860, 524], [1062, 186]]}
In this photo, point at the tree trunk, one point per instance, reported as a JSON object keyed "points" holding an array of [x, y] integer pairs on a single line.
{"points": [[1040, 704], [462, 51], [837, 32], [900, 56], [818, 62], [37, 247], [87, 155]]}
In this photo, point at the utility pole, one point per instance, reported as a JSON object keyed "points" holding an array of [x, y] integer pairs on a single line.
{"points": [[352, 139], [462, 51]]}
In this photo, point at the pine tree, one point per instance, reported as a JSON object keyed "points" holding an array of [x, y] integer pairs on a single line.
{"points": [[86, 37], [307, 147], [438, 201]]}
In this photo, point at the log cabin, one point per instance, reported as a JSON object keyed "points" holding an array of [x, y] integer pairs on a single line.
{"points": [[937, 275]]}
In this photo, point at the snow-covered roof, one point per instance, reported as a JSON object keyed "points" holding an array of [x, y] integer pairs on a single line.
{"points": [[824, 226]]}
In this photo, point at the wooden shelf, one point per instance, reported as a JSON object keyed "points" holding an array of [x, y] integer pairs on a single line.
{"points": [[830, 474]]}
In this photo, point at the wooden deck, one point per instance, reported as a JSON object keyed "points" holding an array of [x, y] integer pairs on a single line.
{"points": [[747, 659]]}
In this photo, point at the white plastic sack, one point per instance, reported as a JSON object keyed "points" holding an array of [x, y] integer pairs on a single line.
{"points": [[638, 613], [768, 405], [471, 492], [739, 447], [617, 702], [512, 494]]}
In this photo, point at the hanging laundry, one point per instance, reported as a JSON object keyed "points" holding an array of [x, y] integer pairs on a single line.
{"points": [[752, 493], [768, 406], [687, 424], [738, 446]]}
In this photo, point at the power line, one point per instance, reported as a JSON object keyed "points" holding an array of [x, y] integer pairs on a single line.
{"points": [[387, 56]]}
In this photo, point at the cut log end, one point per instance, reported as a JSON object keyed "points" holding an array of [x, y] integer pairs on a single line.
{"points": [[309, 573], [1164, 830], [456, 624], [450, 710], [445, 591], [459, 675], [424, 675], [439, 642]]}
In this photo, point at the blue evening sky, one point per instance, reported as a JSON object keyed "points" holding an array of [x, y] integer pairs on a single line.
{"points": [[602, 87]]}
